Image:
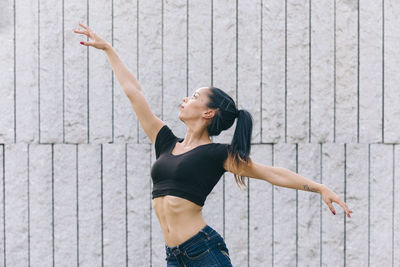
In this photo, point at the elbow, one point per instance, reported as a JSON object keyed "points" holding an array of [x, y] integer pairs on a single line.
{"points": [[132, 86], [131, 92]]}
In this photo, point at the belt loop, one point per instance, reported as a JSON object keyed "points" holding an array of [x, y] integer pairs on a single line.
{"points": [[176, 249], [207, 235]]}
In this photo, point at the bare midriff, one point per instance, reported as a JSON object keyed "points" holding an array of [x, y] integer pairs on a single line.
{"points": [[180, 219]]}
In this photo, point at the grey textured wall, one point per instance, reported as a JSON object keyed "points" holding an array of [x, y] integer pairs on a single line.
{"points": [[321, 79]]}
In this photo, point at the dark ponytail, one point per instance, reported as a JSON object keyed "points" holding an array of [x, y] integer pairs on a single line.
{"points": [[240, 147]]}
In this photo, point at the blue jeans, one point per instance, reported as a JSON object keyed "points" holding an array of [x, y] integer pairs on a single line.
{"points": [[206, 248]]}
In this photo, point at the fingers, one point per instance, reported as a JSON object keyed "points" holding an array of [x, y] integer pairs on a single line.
{"points": [[329, 197], [331, 207], [345, 207], [87, 43], [85, 32], [80, 31], [83, 25], [342, 204]]}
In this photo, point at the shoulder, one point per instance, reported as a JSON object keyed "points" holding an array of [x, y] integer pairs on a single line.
{"points": [[164, 132], [220, 154], [229, 164], [164, 138], [221, 148]]}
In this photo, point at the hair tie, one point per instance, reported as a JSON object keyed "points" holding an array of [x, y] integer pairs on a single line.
{"points": [[227, 103]]}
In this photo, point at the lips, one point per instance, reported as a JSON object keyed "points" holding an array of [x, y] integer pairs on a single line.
{"points": [[182, 106]]}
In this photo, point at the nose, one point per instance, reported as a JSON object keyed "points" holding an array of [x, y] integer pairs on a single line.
{"points": [[184, 99]]}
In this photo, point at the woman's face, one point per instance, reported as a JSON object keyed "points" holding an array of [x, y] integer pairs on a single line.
{"points": [[194, 107]]}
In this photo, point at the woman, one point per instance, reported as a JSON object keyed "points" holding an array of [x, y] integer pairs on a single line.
{"points": [[187, 169]]}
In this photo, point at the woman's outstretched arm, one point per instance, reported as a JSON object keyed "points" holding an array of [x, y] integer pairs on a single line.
{"points": [[286, 178]]}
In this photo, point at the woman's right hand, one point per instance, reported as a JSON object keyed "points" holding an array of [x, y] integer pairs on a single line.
{"points": [[97, 42]]}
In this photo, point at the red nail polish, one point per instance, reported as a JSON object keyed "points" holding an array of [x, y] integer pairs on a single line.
{"points": [[334, 213], [81, 43]]}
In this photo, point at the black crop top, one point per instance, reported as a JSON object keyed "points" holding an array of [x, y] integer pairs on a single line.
{"points": [[191, 175]]}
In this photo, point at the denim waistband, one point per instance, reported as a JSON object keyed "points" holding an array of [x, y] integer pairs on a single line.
{"points": [[207, 232]]}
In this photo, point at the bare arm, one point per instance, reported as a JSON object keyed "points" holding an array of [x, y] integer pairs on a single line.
{"points": [[124, 76], [276, 176], [286, 178], [150, 123]]}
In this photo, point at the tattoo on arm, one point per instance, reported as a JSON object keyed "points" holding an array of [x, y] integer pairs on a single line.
{"points": [[307, 188]]}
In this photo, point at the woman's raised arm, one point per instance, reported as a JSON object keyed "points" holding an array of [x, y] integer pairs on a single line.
{"points": [[150, 123], [124, 76]]}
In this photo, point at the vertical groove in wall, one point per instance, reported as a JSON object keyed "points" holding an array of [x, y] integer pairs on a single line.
{"points": [[237, 56], [29, 211], [309, 71], [52, 200], [345, 199], [137, 61], [236, 68], [38, 77], [272, 215], [358, 73], [320, 205], [63, 74], [248, 222], [212, 48], [393, 199], [101, 196], [334, 71], [223, 206], [87, 74], [369, 201], [112, 73], [151, 208], [261, 70], [248, 179], [126, 204], [212, 42], [285, 71], [77, 202], [383, 71], [162, 116], [187, 47], [162, 59], [15, 79], [4, 203], [297, 207]]}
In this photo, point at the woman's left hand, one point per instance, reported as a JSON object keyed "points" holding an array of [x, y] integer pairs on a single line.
{"points": [[328, 196]]}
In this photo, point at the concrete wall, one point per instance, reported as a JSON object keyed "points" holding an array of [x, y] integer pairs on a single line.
{"points": [[321, 79]]}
